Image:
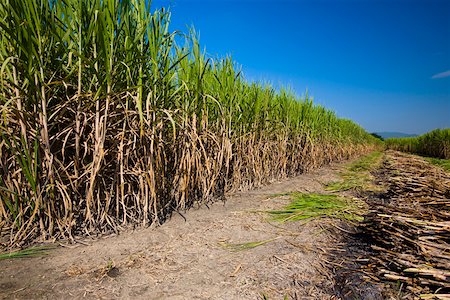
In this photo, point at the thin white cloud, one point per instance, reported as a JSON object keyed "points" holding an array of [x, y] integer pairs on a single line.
{"points": [[441, 75]]}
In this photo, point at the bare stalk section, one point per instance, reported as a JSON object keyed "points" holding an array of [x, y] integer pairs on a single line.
{"points": [[106, 121]]}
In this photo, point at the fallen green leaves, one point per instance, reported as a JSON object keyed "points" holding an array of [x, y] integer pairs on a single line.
{"points": [[307, 206], [356, 176], [243, 246], [34, 251]]}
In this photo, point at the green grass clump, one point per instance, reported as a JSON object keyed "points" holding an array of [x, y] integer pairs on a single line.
{"points": [[34, 251], [443, 163], [307, 206], [356, 176], [366, 163], [349, 183]]}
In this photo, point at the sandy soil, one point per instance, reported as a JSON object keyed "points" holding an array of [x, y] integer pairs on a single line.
{"points": [[187, 258]]}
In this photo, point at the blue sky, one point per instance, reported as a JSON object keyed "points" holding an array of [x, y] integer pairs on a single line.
{"points": [[383, 64]]}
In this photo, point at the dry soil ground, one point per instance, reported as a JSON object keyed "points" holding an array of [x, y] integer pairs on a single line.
{"points": [[188, 259], [194, 256]]}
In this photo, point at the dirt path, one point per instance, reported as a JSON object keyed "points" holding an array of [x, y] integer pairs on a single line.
{"points": [[195, 256], [187, 259]]}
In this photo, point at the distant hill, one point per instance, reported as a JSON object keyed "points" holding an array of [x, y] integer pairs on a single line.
{"points": [[386, 135]]}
